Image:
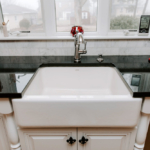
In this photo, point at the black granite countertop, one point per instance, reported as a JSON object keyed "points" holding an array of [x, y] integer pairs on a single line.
{"points": [[139, 83], [13, 84], [135, 71]]}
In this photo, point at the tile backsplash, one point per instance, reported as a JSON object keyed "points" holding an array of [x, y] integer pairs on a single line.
{"points": [[66, 48]]}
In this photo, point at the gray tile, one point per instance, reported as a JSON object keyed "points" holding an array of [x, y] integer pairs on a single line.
{"points": [[37, 44]]}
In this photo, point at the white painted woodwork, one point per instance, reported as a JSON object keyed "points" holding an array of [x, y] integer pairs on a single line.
{"points": [[142, 132], [63, 38], [12, 132], [5, 106], [47, 139], [107, 139], [146, 106], [4, 143], [7, 110], [99, 138], [77, 97], [143, 125]]}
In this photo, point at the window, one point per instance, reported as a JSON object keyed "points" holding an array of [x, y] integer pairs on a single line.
{"points": [[76, 12], [55, 18], [23, 15], [59, 4], [125, 14], [147, 9]]}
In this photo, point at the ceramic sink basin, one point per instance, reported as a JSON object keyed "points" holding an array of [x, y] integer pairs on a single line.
{"points": [[77, 97]]}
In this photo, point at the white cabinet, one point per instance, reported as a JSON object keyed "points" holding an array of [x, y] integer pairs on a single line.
{"points": [[98, 139], [107, 139], [47, 139], [4, 144]]}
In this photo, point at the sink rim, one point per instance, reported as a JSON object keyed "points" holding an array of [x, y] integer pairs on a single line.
{"points": [[78, 65]]}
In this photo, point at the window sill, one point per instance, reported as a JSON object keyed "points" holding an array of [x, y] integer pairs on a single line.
{"points": [[71, 38]]}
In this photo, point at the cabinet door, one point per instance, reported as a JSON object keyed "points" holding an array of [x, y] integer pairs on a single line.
{"points": [[4, 144], [47, 139], [107, 139]]}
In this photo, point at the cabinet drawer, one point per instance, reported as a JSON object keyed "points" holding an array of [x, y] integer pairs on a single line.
{"points": [[107, 139], [47, 139]]}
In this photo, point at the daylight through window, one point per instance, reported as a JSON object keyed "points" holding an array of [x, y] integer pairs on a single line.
{"points": [[23, 15], [125, 14], [76, 12]]}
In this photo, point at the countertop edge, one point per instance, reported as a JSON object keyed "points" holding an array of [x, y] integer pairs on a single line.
{"points": [[133, 94]]}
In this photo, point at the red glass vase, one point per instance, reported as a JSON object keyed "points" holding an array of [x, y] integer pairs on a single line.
{"points": [[73, 30]]}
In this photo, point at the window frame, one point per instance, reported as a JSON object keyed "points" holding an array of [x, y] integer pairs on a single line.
{"points": [[49, 19], [119, 32], [24, 34]]}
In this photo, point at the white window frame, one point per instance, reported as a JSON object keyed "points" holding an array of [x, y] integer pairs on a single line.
{"points": [[120, 32], [25, 34], [49, 19]]}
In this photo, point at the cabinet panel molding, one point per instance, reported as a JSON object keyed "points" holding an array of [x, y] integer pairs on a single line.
{"points": [[44, 139], [108, 139]]}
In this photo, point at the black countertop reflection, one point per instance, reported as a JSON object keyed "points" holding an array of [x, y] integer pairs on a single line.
{"points": [[13, 84], [139, 83]]}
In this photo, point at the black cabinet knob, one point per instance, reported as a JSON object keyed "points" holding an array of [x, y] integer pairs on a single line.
{"points": [[71, 140], [83, 140]]}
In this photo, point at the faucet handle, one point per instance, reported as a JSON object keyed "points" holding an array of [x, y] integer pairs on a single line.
{"points": [[83, 51], [76, 29], [85, 43]]}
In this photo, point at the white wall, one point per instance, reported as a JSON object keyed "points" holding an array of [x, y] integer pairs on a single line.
{"points": [[66, 48]]}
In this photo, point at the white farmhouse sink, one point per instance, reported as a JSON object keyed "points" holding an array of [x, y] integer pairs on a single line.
{"points": [[77, 97]]}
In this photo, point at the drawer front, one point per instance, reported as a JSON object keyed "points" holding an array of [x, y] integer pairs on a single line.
{"points": [[47, 139], [107, 139]]}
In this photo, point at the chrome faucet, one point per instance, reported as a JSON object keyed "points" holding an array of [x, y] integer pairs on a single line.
{"points": [[77, 42]]}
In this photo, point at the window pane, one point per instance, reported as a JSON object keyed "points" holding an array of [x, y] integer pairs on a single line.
{"points": [[147, 9], [76, 12], [23, 15], [125, 14]]}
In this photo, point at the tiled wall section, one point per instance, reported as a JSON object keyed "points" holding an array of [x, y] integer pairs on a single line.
{"points": [[66, 48]]}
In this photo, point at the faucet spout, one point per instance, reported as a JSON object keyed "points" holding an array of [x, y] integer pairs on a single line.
{"points": [[80, 38]]}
